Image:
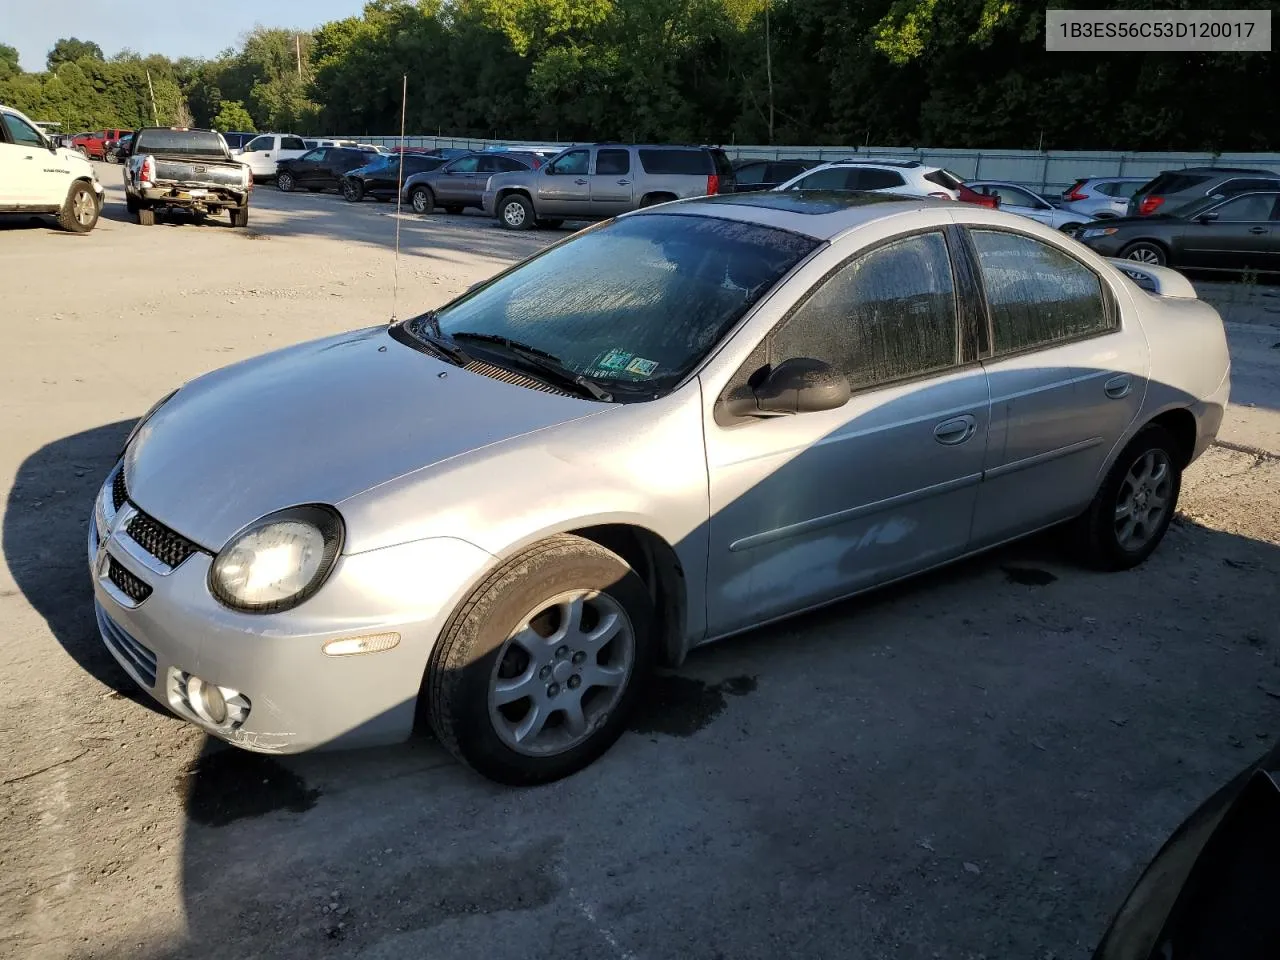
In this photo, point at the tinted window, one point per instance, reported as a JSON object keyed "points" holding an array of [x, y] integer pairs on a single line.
{"points": [[872, 179], [420, 164], [752, 173], [313, 156], [22, 132], [1037, 294], [782, 172], [833, 178], [722, 163], [613, 162], [464, 165], [641, 300], [488, 164], [292, 143], [1173, 183], [1243, 185], [888, 315], [575, 162], [1256, 206], [198, 143], [680, 162], [1125, 189]]}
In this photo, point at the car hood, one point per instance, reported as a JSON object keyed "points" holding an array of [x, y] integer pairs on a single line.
{"points": [[318, 423], [67, 155]]}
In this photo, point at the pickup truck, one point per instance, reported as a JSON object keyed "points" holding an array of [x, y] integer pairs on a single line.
{"points": [[266, 150], [176, 167]]}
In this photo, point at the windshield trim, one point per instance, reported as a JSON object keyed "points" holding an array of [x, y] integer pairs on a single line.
{"points": [[625, 391]]}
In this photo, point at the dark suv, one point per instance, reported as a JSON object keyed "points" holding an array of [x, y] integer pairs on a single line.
{"points": [[320, 169], [598, 181], [1178, 188]]}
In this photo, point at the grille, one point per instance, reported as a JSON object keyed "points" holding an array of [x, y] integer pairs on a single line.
{"points": [[126, 582], [158, 540], [119, 492], [140, 661], [511, 376]]}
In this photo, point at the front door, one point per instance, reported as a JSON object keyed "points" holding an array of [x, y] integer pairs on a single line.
{"points": [[309, 169], [809, 508], [1067, 379], [612, 192], [456, 180], [564, 185], [30, 174], [1237, 236]]}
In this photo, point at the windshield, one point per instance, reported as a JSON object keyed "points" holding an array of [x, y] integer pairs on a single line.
{"points": [[637, 303]]}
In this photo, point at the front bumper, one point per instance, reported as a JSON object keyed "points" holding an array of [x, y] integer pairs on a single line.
{"points": [[1104, 246], [284, 693]]}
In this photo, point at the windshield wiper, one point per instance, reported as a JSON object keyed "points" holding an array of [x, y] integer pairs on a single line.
{"points": [[547, 364], [437, 341]]}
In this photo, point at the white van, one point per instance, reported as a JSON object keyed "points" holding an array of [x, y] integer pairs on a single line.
{"points": [[263, 152], [38, 177]]}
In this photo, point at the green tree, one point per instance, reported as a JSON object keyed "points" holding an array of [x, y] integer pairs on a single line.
{"points": [[8, 62], [232, 115], [69, 50]]}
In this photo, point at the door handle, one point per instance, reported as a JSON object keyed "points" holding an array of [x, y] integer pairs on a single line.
{"points": [[624, 183], [1257, 229], [955, 430], [580, 182], [1117, 388]]}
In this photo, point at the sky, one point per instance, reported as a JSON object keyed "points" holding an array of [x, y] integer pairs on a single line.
{"points": [[176, 29]]}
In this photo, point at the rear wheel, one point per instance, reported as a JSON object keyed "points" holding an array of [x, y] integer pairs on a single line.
{"points": [[516, 212], [1135, 504], [79, 212], [423, 200], [284, 182], [536, 672], [240, 216], [146, 217], [1145, 252], [655, 198], [352, 191]]}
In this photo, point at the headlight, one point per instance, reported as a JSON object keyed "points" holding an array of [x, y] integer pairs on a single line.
{"points": [[277, 562], [142, 421], [1098, 232]]}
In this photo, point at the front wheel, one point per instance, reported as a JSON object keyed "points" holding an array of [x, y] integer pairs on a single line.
{"points": [[535, 674], [516, 212], [79, 213], [1145, 252], [422, 200], [352, 191], [1133, 508], [284, 182]]}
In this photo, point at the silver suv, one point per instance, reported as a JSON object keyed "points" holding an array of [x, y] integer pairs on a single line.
{"points": [[603, 180]]}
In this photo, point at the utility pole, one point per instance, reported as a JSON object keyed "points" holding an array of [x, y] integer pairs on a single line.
{"points": [[154, 112], [768, 64], [297, 49]]}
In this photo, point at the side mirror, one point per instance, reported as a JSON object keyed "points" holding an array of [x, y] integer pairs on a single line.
{"points": [[798, 385], [1206, 218]]}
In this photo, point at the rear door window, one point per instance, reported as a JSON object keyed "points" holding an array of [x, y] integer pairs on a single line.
{"points": [[750, 174], [511, 164], [833, 178], [464, 165], [613, 162], [292, 143], [1174, 182], [869, 178], [676, 162]]}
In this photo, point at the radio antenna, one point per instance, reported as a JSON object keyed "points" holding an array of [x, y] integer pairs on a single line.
{"points": [[395, 285]]}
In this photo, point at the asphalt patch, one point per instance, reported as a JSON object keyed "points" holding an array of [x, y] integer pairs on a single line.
{"points": [[681, 706], [231, 785], [1028, 576]]}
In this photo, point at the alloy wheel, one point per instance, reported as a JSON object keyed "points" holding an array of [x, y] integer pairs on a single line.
{"points": [[1144, 255], [513, 213], [84, 208], [1143, 500]]}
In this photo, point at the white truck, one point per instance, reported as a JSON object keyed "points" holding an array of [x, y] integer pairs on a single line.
{"points": [[40, 178], [263, 152]]}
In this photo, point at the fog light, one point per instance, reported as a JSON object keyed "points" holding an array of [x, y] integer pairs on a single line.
{"points": [[207, 701], [372, 643]]}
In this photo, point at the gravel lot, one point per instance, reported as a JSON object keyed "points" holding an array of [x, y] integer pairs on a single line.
{"points": [[975, 764]]}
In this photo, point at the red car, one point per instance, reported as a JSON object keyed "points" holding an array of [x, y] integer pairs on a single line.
{"points": [[94, 145], [973, 196]]}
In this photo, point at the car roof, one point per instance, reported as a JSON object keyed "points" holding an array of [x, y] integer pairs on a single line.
{"points": [[821, 214], [1225, 170]]}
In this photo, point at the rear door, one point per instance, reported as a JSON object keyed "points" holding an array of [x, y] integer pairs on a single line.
{"points": [[1067, 376], [564, 186], [1239, 235], [612, 185]]}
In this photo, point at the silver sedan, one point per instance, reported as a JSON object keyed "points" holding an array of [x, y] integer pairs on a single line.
{"points": [[499, 516]]}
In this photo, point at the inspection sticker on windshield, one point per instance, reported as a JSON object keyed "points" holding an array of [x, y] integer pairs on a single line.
{"points": [[614, 360], [642, 367]]}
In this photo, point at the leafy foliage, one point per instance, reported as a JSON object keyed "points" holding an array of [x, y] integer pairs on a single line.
{"points": [[962, 73]]}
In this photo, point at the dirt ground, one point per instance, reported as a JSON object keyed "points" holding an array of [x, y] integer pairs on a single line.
{"points": [[975, 764]]}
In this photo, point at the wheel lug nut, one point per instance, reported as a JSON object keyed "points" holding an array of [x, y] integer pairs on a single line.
{"points": [[579, 657], [545, 672], [562, 652], [553, 690], [575, 682]]}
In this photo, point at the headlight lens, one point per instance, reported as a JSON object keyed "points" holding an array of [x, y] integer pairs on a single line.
{"points": [[279, 561], [1098, 232]]}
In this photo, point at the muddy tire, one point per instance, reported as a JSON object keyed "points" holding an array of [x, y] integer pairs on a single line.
{"points": [[240, 216], [79, 213], [146, 217], [535, 674], [1135, 504], [515, 212]]}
